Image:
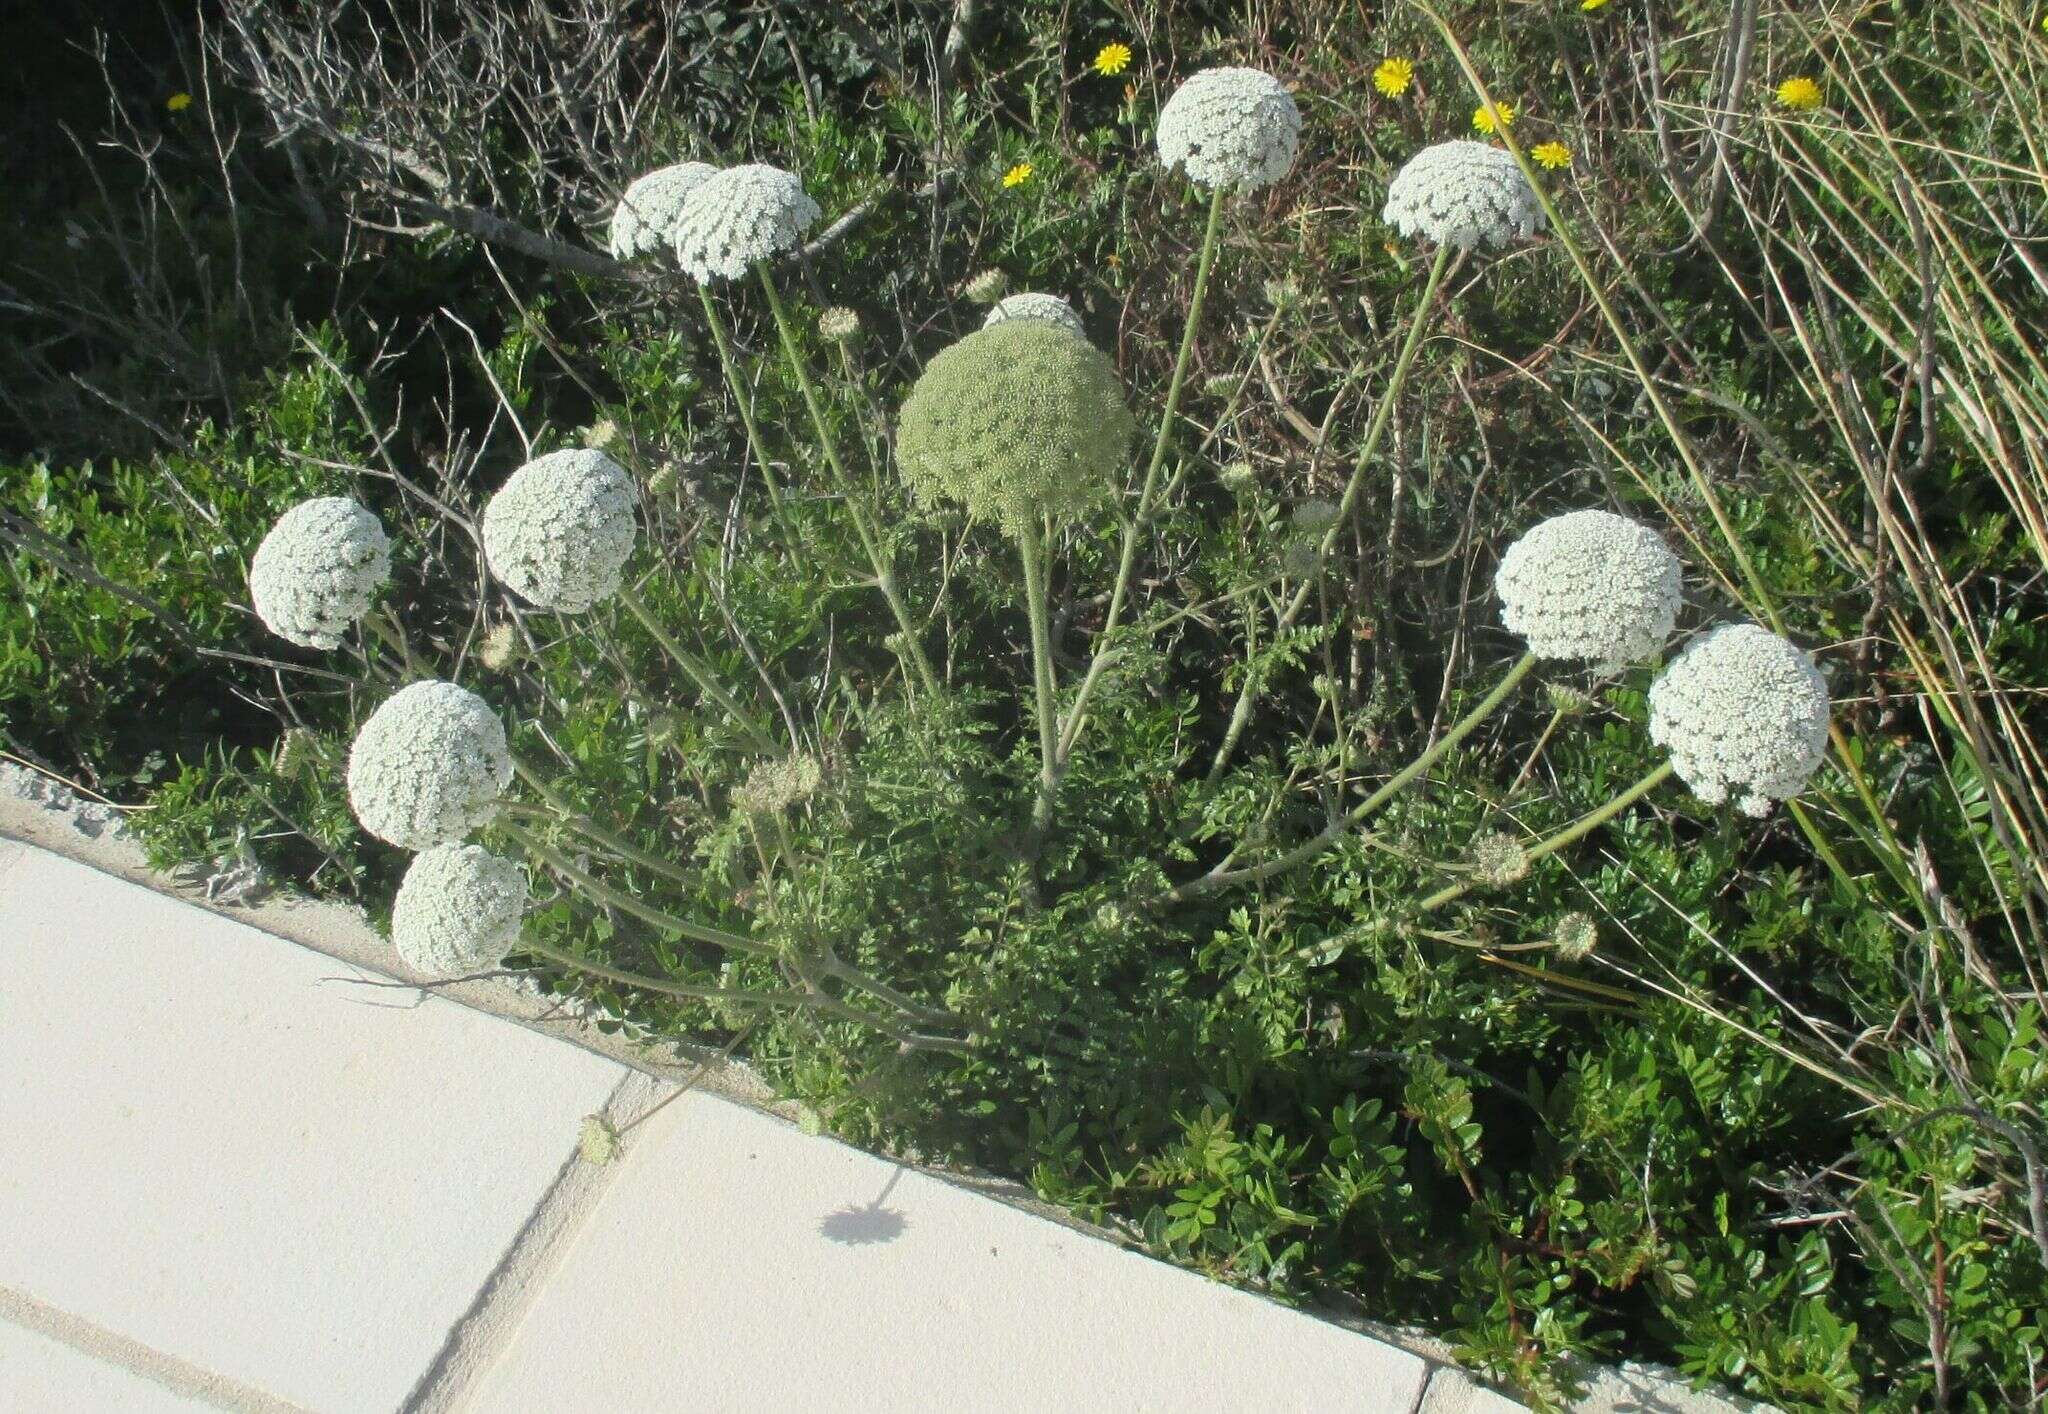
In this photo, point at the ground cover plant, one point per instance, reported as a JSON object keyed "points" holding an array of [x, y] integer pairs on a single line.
{"points": [[1397, 649]]}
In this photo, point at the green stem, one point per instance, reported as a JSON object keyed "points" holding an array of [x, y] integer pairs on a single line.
{"points": [[1382, 417], [565, 958], [1577, 830], [700, 673], [604, 893], [384, 627], [1224, 877], [863, 525], [560, 809], [831, 966], [730, 366], [1031, 550], [1070, 732], [1562, 232]]}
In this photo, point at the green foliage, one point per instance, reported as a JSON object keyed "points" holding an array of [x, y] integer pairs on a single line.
{"points": [[1779, 1127], [121, 576]]}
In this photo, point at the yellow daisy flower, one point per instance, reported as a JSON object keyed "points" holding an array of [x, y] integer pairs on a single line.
{"points": [[1112, 59], [1393, 76], [1552, 155], [1482, 116], [1799, 93], [178, 102], [1018, 175]]}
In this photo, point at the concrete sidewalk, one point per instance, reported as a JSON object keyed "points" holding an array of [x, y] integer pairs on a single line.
{"points": [[241, 1173]]}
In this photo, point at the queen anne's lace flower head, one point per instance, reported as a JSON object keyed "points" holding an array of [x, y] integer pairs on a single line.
{"points": [[646, 219], [1232, 128], [561, 529], [1051, 308], [739, 217], [318, 569], [458, 910], [1741, 709], [1590, 585], [1463, 194], [1017, 419], [429, 766]]}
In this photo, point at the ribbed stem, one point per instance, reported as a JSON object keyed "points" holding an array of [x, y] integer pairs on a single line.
{"points": [[626, 903], [1127, 559], [863, 525], [1571, 833], [1365, 809], [1031, 550], [658, 984], [730, 366], [1247, 698], [700, 673], [602, 892], [560, 809]]}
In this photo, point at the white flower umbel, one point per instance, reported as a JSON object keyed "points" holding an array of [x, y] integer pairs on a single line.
{"points": [[458, 911], [1051, 308], [318, 569], [561, 528], [1590, 585], [1462, 194], [429, 766], [1236, 129], [645, 222], [1741, 710], [739, 217]]}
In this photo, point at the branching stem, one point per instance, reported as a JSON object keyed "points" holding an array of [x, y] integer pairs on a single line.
{"points": [[863, 523], [1418, 324]]}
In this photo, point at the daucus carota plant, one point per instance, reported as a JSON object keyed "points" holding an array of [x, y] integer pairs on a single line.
{"points": [[1025, 426]]}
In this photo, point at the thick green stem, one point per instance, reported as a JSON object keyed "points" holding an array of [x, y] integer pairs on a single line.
{"points": [[831, 966], [1134, 528], [621, 975], [730, 366], [602, 892], [1570, 834], [560, 809], [1382, 417], [700, 673], [570, 816], [863, 524], [1031, 550], [1224, 877]]}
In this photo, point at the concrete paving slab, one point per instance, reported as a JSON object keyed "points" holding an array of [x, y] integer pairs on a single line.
{"points": [[735, 1263], [39, 1375], [225, 1148]]}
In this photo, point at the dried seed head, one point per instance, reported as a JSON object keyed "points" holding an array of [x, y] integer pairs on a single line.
{"points": [[839, 324], [1498, 860], [1574, 937], [987, 286]]}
